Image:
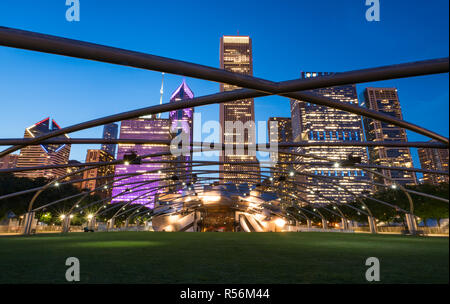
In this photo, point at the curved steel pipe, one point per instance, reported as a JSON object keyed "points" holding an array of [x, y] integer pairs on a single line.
{"points": [[62, 46]]}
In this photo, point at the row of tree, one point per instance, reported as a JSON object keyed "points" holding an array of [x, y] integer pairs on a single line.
{"points": [[16, 206], [424, 207]]}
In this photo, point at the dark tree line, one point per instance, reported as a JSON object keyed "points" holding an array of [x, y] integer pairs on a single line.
{"points": [[18, 205], [425, 208]]}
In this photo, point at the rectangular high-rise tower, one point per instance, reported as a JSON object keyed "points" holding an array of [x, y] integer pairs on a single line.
{"points": [[280, 131], [140, 186], [436, 160], [236, 56], [110, 131], [315, 123], [385, 100]]}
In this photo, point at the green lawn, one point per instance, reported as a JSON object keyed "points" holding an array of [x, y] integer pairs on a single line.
{"points": [[172, 257]]}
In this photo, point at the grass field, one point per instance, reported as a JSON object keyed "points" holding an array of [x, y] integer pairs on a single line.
{"points": [[171, 257]]}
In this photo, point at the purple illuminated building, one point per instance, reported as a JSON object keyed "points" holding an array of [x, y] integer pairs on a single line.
{"points": [[150, 128], [182, 121]]}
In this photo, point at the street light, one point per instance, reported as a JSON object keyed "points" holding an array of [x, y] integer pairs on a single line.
{"points": [[280, 222]]}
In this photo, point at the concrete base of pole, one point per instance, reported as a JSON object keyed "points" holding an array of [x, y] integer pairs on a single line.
{"points": [[127, 222], [344, 224], [324, 224], [91, 223], [66, 224], [351, 225], [111, 223], [195, 226], [411, 222], [28, 223], [372, 225], [309, 223]]}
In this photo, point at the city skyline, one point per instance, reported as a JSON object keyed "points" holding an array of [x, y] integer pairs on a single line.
{"points": [[297, 55], [313, 134]]}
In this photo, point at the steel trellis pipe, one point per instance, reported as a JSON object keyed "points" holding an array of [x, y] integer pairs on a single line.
{"points": [[68, 47], [401, 144]]}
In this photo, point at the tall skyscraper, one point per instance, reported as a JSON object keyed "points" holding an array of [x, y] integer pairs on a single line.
{"points": [[110, 132], [280, 131], [182, 121], [43, 155], [385, 100], [236, 56], [141, 128], [434, 159], [9, 161], [95, 156], [314, 123]]}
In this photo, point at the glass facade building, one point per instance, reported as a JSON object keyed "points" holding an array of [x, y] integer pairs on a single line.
{"points": [[141, 128], [280, 131], [236, 56], [436, 160], [110, 131], [181, 121], [385, 100], [315, 123]]}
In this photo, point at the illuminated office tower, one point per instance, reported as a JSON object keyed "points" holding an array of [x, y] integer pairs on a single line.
{"points": [[314, 123], [280, 131], [110, 132], [141, 128], [181, 121], [436, 160], [45, 154], [9, 161], [236, 56], [96, 156], [386, 101]]}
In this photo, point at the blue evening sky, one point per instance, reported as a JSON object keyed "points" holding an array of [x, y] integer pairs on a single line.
{"points": [[288, 37]]}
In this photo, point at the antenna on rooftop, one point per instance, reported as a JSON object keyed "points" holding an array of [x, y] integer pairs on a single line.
{"points": [[162, 92]]}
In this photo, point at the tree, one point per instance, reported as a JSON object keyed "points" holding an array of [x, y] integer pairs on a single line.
{"points": [[19, 204]]}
